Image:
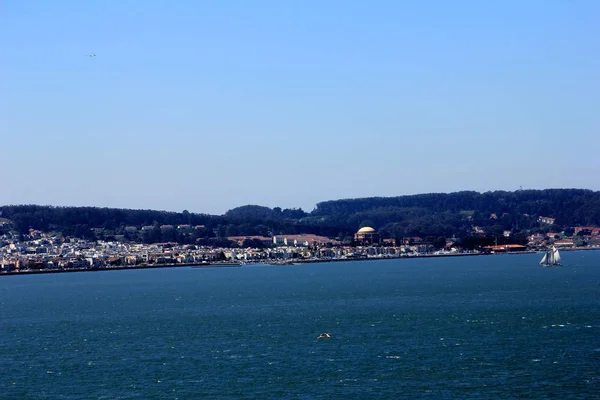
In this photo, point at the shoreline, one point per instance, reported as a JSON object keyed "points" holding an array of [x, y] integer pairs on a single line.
{"points": [[272, 263], [118, 268]]}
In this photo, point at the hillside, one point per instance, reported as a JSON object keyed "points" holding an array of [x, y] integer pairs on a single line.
{"points": [[425, 215]]}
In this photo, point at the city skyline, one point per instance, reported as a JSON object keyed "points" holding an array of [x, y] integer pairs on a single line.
{"points": [[207, 107]]}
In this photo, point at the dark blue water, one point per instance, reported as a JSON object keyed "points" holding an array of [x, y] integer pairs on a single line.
{"points": [[495, 327]]}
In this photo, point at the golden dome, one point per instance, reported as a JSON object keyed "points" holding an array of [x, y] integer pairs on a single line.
{"points": [[366, 229]]}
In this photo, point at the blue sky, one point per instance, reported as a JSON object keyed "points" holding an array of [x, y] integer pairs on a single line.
{"points": [[209, 105]]}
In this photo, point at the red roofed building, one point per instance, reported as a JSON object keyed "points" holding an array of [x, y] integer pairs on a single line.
{"points": [[267, 241]]}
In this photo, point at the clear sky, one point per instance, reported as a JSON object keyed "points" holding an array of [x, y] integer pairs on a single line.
{"points": [[209, 105]]}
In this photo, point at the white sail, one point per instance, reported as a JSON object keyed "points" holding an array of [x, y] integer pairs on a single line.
{"points": [[557, 259], [551, 257]]}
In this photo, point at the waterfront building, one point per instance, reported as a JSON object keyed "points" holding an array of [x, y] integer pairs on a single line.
{"points": [[366, 235]]}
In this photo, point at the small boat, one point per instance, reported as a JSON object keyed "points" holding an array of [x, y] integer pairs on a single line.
{"points": [[551, 258], [324, 336]]}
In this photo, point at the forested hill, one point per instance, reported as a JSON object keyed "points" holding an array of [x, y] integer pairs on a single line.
{"points": [[564, 204], [568, 206], [443, 214], [78, 220], [434, 214]]}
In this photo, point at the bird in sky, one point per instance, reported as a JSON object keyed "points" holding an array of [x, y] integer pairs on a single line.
{"points": [[92, 55]]}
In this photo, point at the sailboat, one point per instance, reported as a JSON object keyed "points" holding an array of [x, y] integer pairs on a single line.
{"points": [[551, 258]]}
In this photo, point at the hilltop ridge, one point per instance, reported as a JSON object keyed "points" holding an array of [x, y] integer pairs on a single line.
{"points": [[433, 215]]}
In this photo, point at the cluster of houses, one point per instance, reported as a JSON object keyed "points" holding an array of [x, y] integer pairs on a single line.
{"points": [[39, 251], [582, 236]]}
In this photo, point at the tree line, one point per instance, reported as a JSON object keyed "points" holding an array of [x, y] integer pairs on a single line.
{"points": [[433, 215]]}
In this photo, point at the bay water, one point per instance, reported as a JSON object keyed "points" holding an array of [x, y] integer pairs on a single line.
{"points": [[483, 327]]}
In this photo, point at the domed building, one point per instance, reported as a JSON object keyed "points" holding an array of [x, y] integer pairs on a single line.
{"points": [[366, 235]]}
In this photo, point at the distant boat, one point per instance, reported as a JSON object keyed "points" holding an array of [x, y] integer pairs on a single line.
{"points": [[551, 258]]}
